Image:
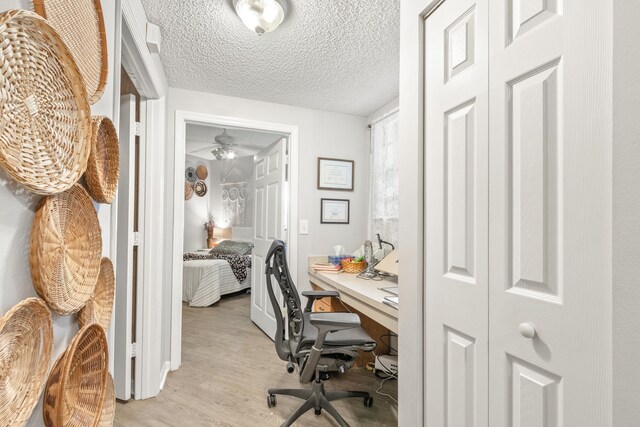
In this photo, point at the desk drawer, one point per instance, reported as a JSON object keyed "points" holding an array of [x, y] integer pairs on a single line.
{"points": [[323, 305]]}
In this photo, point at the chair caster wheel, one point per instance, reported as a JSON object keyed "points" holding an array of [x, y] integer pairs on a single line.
{"points": [[271, 400], [368, 402], [318, 411]]}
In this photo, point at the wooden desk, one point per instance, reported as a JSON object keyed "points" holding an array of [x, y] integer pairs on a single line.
{"points": [[363, 295]]}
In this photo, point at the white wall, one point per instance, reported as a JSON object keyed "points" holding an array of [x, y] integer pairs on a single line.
{"points": [[196, 209], [322, 134], [17, 210], [626, 213]]}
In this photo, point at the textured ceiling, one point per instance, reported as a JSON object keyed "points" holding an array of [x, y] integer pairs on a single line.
{"points": [[200, 140], [334, 55]]}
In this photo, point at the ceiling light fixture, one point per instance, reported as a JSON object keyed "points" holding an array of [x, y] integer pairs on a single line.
{"points": [[261, 16]]}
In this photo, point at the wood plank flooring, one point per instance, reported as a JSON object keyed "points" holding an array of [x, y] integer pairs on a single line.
{"points": [[227, 366]]}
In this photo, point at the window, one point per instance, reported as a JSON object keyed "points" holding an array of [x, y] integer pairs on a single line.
{"points": [[385, 136]]}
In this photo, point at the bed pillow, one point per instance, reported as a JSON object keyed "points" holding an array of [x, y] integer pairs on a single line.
{"points": [[232, 247]]}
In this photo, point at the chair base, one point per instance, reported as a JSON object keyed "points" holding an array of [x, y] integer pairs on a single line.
{"points": [[318, 399]]}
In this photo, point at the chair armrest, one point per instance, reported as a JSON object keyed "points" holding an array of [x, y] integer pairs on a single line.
{"points": [[320, 294], [316, 295], [332, 322], [325, 322]]}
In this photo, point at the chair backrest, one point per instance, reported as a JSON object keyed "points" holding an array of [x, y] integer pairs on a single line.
{"points": [[276, 267]]}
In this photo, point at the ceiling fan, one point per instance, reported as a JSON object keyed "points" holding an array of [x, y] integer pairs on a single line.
{"points": [[225, 146]]}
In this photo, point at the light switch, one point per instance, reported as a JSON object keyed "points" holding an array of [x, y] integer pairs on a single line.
{"points": [[304, 226]]}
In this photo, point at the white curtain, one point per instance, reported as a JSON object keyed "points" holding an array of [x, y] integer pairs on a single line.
{"points": [[385, 135]]}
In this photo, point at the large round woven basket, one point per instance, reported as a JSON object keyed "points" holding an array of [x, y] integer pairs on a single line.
{"points": [[66, 249], [99, 308], [75, 390], [81, 26], [45, 121], [109, 407], [103, 167], [26, 344]]}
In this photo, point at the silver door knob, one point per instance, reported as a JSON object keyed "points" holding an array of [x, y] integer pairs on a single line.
{"points": [[527, 329]]}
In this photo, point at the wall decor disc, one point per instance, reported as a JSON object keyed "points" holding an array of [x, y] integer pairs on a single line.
{"points": [[66, 250], [99, 308], [103, 167], [202, 172], [190, 174], [188, 190], [200, 188], [26, 347], [45, 121], [77, 383], [81, 25]]}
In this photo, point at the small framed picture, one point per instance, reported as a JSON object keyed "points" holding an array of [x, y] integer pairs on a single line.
{"points": [[335, 174], [334, 211]]}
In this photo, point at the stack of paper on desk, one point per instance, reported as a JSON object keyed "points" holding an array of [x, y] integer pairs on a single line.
{"points": [[391, 301], [325, 267]]}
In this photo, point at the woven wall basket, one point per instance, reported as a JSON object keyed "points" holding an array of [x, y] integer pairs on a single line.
{"points": [[66, 249], [26, 345], [109, 407], [202, 172], [45, 121], [75, 390], [200, 188], [103, 167], [81, 26], [99, 308], [188, 190]]}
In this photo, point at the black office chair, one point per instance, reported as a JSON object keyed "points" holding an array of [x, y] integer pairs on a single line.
{"points": [[317, 343]]}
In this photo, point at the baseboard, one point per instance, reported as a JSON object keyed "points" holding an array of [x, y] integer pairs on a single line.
{"points": [[163, 373]]}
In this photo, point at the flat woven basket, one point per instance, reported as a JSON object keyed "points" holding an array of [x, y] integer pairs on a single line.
{"points": [[45, 121], [81, 26], [103, 167], [66, 250], [26, 345], [109, 407], [76, 387], [99, 308]]}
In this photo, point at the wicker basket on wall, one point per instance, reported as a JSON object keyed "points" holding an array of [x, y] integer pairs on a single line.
{"points": [[99, 308], [103, 167], [81, 26], [75, 390], [26, 345], [45, 134], [109, 407], [66, 250]]}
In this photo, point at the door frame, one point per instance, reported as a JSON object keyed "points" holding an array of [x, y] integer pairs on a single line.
{"points": [[182, 118], [411, 318], [133, 54]]}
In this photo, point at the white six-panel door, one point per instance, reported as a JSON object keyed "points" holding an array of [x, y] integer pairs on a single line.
{"points": [[548, 263], [516, 216], [269, 170], [456, 213]]}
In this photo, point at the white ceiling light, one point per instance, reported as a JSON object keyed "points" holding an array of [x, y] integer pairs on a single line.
{"points": [[261, 16]]}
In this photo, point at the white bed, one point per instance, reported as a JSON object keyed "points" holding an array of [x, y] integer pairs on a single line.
{"points": [[204, 281]]}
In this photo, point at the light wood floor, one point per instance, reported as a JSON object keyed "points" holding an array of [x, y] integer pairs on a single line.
{"points": [[227, 366]]}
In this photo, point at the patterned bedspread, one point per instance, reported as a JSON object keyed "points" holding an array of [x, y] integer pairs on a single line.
{"points": [[240, 264]]}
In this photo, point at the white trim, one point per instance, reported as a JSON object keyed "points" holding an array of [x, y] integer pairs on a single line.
{"points": [[138, 59], [411, 319], [149, 80], [181, 120], [166, 367]]}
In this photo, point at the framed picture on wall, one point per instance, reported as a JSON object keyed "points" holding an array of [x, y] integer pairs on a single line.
{"points": [[334, 211], [335, 174]]}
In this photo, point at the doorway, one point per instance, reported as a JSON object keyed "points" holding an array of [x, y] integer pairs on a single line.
{"points": [[287, 230]]}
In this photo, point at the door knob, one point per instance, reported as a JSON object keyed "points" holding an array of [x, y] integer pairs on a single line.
{"points": [[527, 329]]}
